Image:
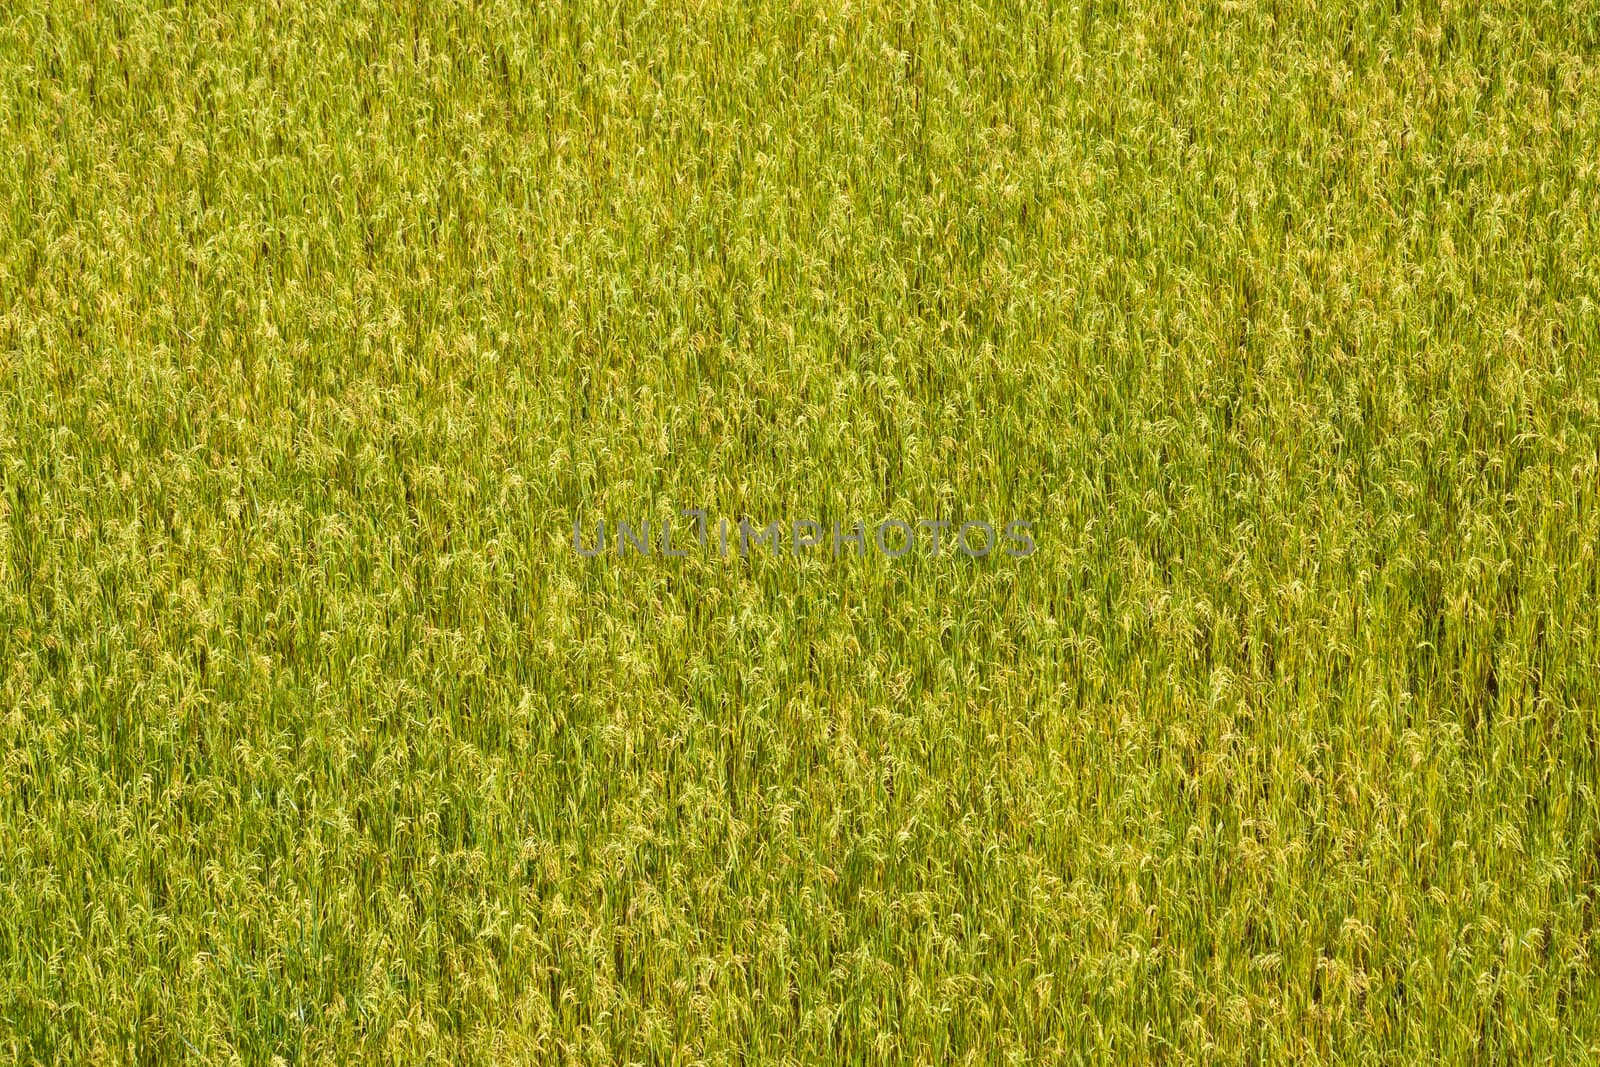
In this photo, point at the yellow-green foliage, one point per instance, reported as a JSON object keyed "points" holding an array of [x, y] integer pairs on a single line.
{"points": [[320, 324]]}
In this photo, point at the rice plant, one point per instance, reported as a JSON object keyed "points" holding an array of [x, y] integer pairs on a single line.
{"points": [[325, 327]]}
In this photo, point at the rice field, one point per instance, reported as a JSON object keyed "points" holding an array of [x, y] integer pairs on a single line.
{"points": [[332, 334]]}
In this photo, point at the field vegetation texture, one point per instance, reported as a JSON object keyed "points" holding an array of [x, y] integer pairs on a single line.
{"points": [[321, 324]]}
